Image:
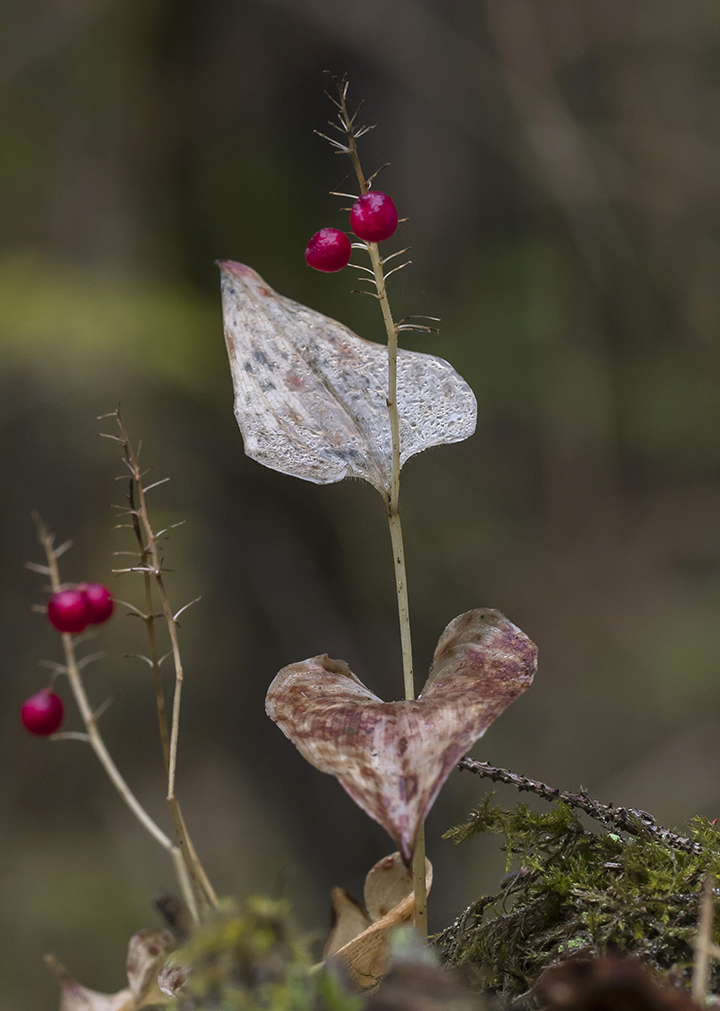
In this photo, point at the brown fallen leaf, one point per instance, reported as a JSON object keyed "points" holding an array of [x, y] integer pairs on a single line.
{"points": [[366, 956], [147, 952], [348, 919], [386, 885], [311, 396], [393, 757], [74, 997]]}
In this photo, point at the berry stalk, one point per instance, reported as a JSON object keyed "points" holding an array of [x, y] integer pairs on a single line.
{"points": [[393, 514], [95, 740]]}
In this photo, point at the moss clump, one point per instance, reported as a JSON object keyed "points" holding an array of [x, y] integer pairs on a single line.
{"points": [[253, 962], [577, 891]]}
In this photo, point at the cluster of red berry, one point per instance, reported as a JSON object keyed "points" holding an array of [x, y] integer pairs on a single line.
{"points": [[69, 611], [373, 218]]}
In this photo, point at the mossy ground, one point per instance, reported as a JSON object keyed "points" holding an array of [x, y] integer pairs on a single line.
{"points": [[574, 890]]}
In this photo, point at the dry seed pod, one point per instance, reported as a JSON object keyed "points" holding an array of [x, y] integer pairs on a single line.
{"points": [[310, 395], [393, 757]]}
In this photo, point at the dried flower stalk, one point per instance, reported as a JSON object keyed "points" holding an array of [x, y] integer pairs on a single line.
{"points": [[95, 740], [151, 566]]}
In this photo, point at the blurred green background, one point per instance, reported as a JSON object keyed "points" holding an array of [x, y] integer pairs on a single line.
{"points": [[559, 167]]}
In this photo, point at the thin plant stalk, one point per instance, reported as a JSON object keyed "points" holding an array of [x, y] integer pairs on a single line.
{"points": [[149, 619], [95, 740], [704, 947], [151, 565], [393, 513]]}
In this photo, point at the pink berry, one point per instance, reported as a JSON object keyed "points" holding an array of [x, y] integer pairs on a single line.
{"points": [[42, 713], [328, 250], [68, 611], [373, 217], [99, 601]]}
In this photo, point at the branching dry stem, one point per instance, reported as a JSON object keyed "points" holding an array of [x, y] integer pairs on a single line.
{"points": [[95, 740], [353, 133], [151, 566]]}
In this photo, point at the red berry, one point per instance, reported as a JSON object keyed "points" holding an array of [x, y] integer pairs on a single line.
{"points": [[328, 250], [99, 601], [373, 217], [42, 713], [68, 611]]}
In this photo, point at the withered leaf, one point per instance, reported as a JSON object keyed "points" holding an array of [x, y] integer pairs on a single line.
{"points": [[74, 997], [386, 885], [310, 395], [393, 757], [147, 952], [348, 920], [366, 956]]}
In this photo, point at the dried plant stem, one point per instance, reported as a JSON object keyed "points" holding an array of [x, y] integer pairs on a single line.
{"points": [[151, 565], [396, 538], [703, 943], [149, 619], [96, 742]]}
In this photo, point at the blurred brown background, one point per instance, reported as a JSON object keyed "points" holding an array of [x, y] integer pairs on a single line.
{"points": [[559, 166]]}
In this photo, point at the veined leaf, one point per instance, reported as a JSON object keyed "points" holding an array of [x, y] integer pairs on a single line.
{"points": [[311, 396]]}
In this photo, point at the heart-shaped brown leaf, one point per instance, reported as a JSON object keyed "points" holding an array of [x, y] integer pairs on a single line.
{"points": [[311, 396], [393, 757]]}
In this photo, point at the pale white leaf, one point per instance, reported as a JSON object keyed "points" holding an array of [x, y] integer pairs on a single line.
{"points": [[311, 396]]}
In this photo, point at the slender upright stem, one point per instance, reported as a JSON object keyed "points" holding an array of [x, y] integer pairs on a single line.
{"points": [[393, 513], [98, 745], [151, 561], [149, 619]]}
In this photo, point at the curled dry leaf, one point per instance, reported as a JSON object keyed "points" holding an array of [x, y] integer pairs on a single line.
{"points": [[74, 997], [366, 956], [348, 919], [311, 396], [387, 884], [147, 952], [393, 757]]}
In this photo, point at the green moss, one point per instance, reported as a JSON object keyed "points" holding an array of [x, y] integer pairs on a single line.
{"points": [[576, 890], [257, 961]]}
